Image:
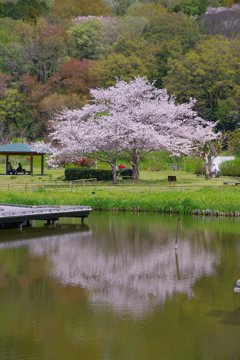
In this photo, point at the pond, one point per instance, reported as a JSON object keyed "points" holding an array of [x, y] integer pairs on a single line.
{"points": [[116, 289]]}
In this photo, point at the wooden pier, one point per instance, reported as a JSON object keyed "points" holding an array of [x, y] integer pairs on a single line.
{"points": [[12, 215]]}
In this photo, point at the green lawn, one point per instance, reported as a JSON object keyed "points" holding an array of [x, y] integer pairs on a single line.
{"points": [[151, 193]]}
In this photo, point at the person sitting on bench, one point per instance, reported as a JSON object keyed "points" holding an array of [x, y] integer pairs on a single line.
{"points": [[19, 168], [215, 170], [10, 169]]}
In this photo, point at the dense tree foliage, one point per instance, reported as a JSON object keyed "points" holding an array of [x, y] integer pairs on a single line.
{"points": [[27, 10], [85, 39], [210, 73], [53, 52], [191, 7], [67, 10]]}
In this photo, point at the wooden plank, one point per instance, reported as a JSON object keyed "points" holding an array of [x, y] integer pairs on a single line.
{"points": [[15, 215]]}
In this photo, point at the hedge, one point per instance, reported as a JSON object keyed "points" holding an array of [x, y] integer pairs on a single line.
{"points": [[78, 174], [125, 172]]}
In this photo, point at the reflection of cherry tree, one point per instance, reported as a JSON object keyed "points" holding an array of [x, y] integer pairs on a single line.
{"points": [[128, 279]]}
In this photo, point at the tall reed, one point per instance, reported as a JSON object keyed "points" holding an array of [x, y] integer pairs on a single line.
{"points": [[165, 201]]}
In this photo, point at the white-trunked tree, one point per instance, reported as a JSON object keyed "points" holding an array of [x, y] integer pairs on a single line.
{"points": [[134, 117]]}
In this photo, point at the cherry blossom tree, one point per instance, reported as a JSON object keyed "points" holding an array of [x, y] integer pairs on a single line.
{"points": [[134, 117], [178, 126], [102, 137], [42, 147]]}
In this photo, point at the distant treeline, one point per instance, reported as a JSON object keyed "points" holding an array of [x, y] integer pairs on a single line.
{"points": [[51, 53], [27, 10]]}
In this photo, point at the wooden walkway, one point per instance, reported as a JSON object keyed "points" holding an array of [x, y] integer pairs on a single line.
{"points": [[12, 215]]}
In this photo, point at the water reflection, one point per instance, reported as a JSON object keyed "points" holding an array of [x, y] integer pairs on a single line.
{"points": [[117, 289], [129, 269], [27, 238], [227, 317]]}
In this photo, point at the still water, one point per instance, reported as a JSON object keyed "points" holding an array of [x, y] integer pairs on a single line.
{"points": [[116, 289]]}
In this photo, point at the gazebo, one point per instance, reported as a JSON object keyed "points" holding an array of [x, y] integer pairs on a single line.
{"points": [[25, 150]]}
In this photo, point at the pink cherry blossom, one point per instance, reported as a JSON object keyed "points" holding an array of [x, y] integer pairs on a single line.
{"points": [[133, 117]]}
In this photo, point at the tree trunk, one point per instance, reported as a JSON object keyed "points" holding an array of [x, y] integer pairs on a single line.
{"points": [[135, 164], [135, 172], [208, 168], [114, 173]]}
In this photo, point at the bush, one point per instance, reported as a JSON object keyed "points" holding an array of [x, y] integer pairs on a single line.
{"points": [[77, 174], [125, 172], [190, 163], [199, 168], [230, 168]]}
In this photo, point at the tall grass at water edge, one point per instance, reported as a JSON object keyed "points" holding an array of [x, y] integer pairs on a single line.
{"points": [[227, 200]]}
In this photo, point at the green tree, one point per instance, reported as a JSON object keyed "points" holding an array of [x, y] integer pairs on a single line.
{"points": [[129, 59], [6, 26], [121, 6], [66, 10], [172, 35], [209, 73], [13, 60], [149, 11], [163, 52], [55, 103], [119, 66], [15, 115], [234, 142], [131, 27], [174, 26], [27, 10], [85, 39], [191, 7]]}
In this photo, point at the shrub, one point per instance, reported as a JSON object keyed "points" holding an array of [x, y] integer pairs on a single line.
{"points": [[199, 167], [78, 174], [230, 168], [191, 163], [125, 172]]}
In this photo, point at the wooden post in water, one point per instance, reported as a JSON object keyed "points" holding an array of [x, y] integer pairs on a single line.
{"points": [[177, 264], [178, 225]]}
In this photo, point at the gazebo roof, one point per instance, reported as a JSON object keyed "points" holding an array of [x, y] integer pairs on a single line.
{"points": [[21, 149]]}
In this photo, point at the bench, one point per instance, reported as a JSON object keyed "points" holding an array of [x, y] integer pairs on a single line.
{"points": [[24, 172], [231, 183]]}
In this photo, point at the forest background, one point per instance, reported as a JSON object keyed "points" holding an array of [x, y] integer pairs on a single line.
{"points": [[52, 52]]}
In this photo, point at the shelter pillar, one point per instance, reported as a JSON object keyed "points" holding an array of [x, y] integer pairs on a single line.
{"points": [[31, 163], [42, 164], [7, 159]]}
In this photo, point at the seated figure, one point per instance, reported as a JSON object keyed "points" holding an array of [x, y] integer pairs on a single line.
{"points": [[10, 169], [19, 168]]}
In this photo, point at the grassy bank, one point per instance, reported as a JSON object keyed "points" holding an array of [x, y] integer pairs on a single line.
{"points": [[151, 193], [125, 199]]}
